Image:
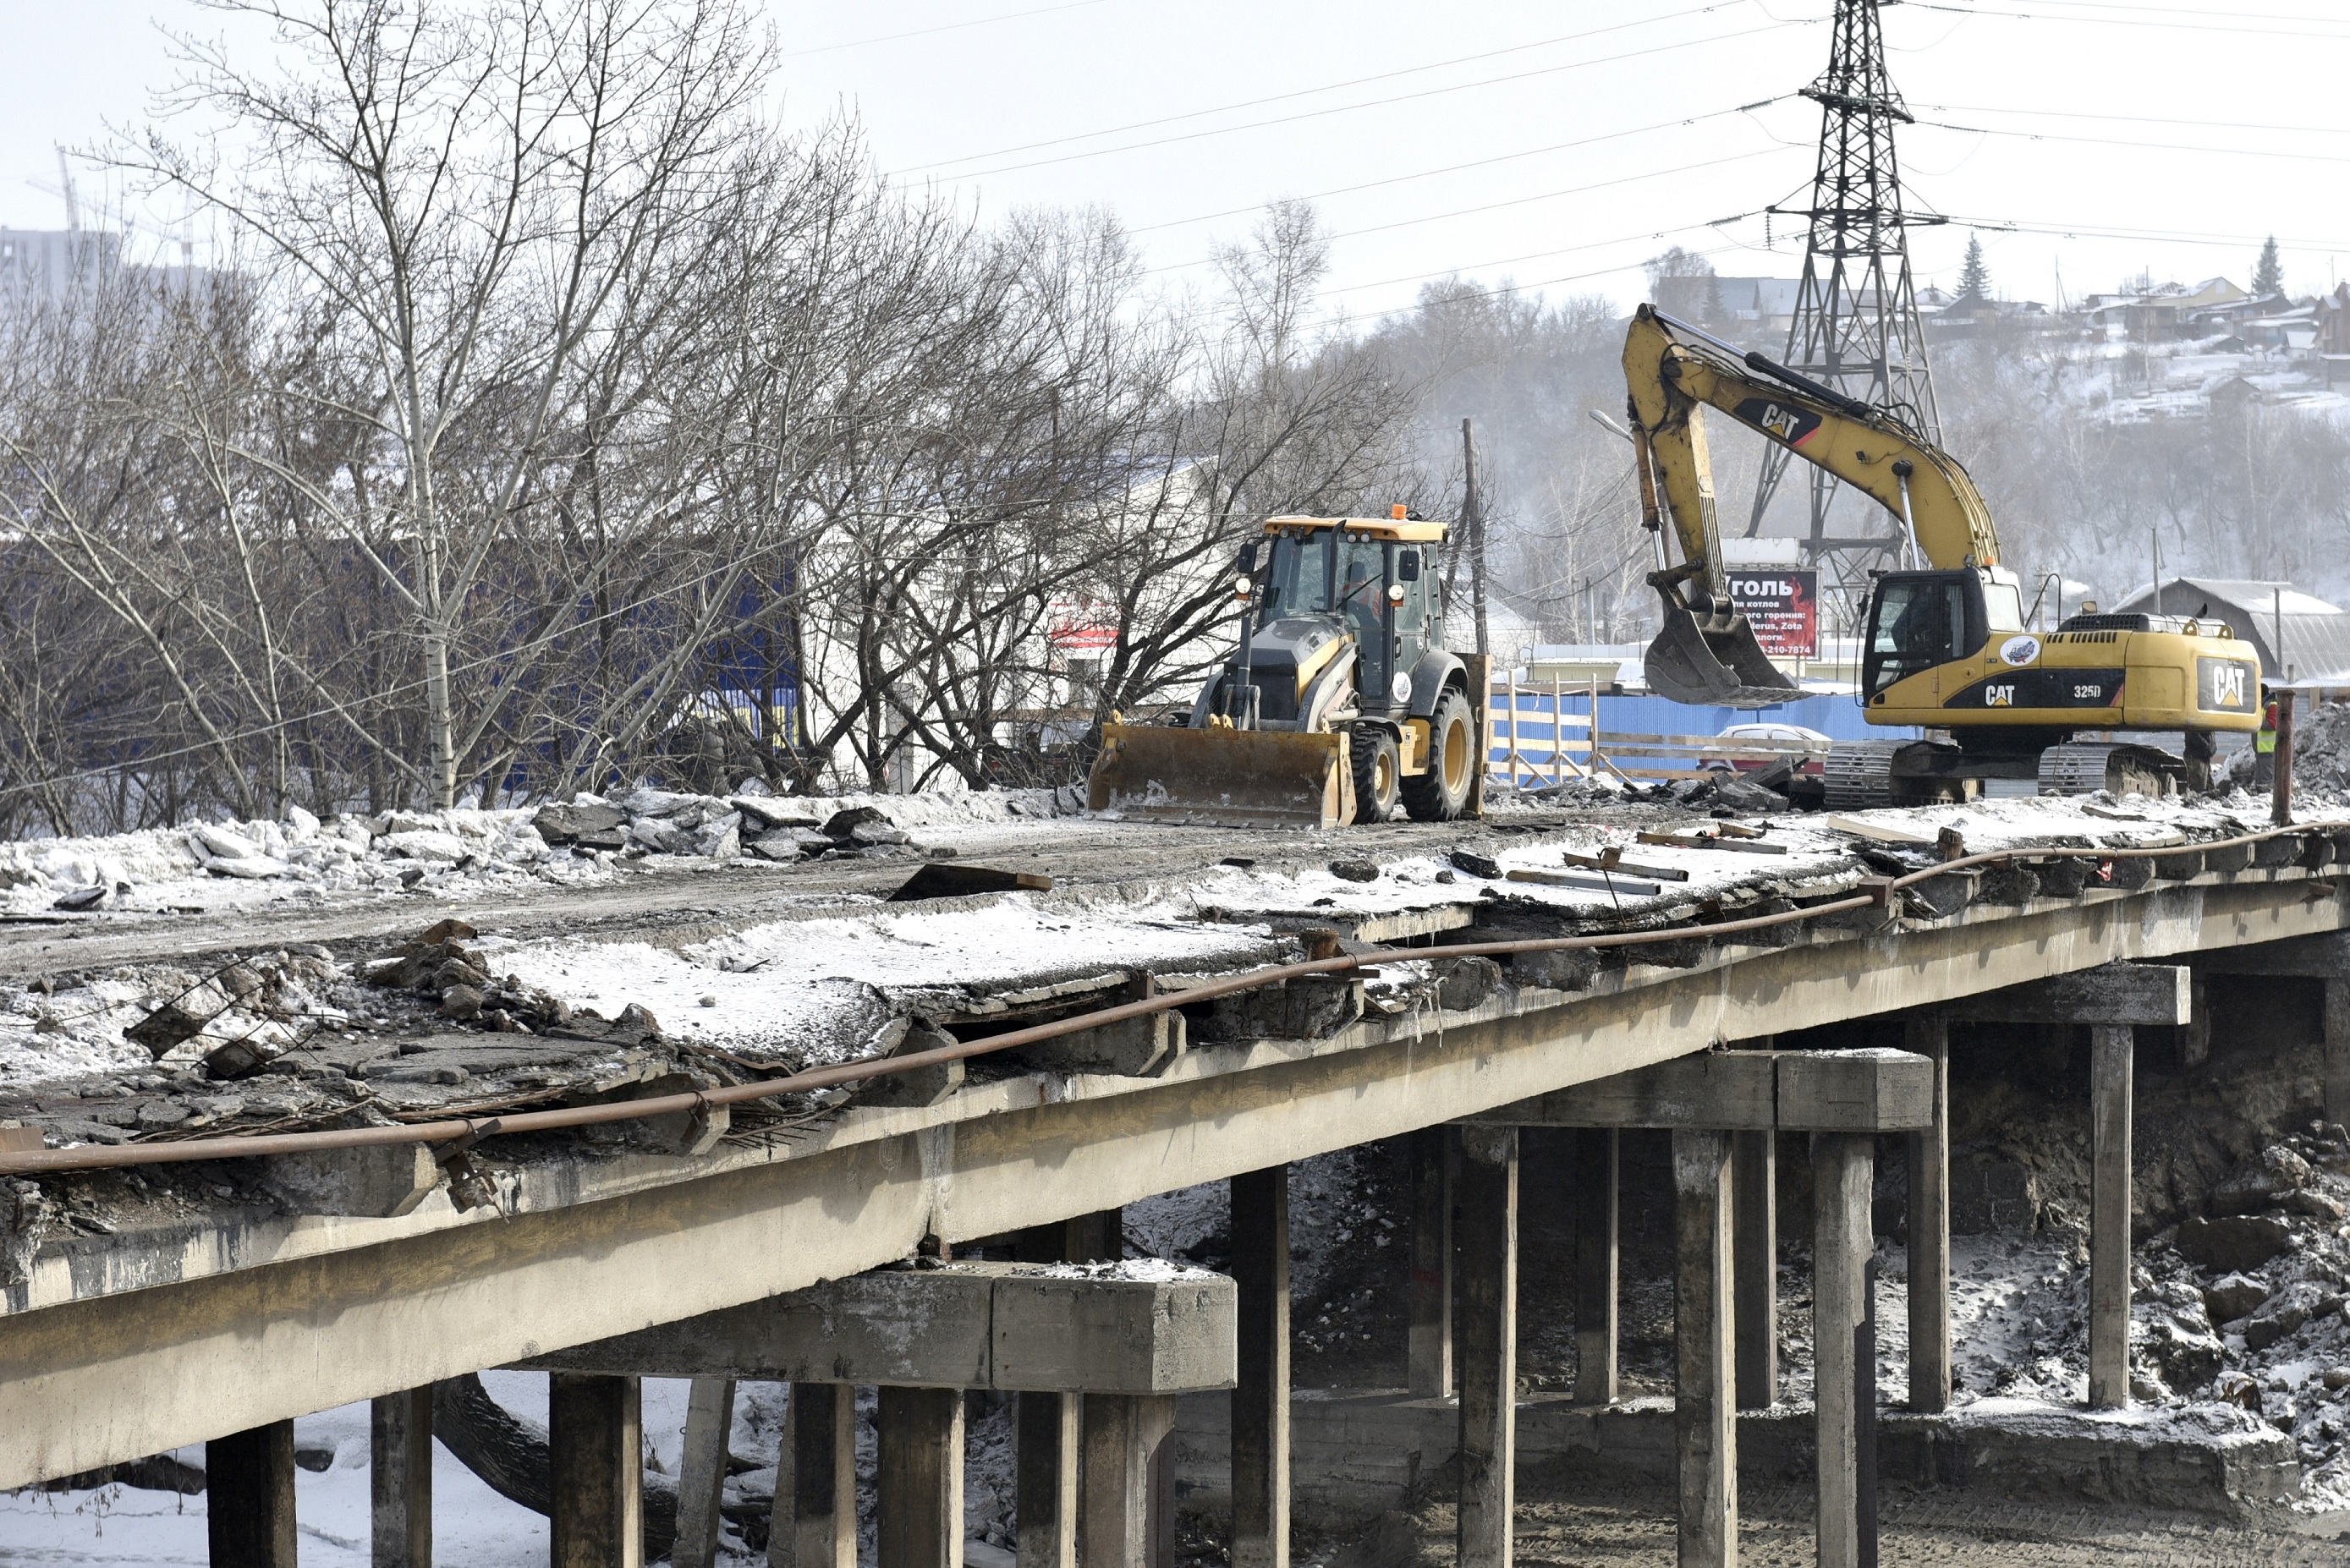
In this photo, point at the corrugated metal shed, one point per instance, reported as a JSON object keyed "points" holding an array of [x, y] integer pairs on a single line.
{"points": [[2314, 636]]}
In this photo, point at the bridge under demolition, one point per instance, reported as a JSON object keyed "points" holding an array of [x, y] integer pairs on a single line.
{"points": [[843, 1143]]}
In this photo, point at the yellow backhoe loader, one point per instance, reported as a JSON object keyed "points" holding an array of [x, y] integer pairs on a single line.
{"points": [[1945, 647], [1340, 704]]}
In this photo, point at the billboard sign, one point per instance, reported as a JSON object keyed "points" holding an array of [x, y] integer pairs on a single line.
{"points": [[1783, 606]]}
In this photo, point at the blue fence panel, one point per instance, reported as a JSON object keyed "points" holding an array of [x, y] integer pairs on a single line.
{"points": [[1837, 716]]}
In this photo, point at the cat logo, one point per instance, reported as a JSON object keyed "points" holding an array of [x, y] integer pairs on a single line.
{"points": [[1998, 696], [2227, 685], [1777, 421]]}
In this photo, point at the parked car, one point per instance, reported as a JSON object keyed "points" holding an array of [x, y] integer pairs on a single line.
{"points": [[1812, 759]]}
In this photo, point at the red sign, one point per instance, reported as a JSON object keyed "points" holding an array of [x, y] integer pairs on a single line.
{"points": [[1081, 628], [1784, 609]]}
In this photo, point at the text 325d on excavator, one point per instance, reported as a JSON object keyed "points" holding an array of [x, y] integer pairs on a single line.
{"points": [[1339, 705], [1945, 647]]}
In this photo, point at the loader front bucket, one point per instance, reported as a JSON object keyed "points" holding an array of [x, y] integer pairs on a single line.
{"points": [[1225, 778], [1713, 661]]}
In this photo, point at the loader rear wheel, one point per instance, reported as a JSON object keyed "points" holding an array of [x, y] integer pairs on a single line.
{"points": [[1378, 768], [1441, 794]]}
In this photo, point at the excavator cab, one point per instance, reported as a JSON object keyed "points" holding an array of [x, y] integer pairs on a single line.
{"points": [[1922, 620]]}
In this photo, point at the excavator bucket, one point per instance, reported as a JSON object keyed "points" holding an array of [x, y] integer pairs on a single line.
{"points": [[1714, 661], [1222, 777]]}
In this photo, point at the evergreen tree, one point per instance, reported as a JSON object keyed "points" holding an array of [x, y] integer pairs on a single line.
{"points": [[1974, 275], [2268, 274]]}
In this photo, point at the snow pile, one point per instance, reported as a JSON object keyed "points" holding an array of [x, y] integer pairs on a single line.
{"points": [[823, 990]]}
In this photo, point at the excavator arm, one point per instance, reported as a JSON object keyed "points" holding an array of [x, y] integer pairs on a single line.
{"points": [[1706, 652], [1674, 371]]}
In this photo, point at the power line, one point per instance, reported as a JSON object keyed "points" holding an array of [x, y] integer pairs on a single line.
{"points": [[2130, 21], [1382, 103], [1473, 163], [2141, 146], [1309, 92], [2148, 237], [2139, 118], [943, 27], [1513, 202]]}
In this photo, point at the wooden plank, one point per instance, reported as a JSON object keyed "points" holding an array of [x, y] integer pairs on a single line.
{"points": [[1881, 832], [1694, 841], [1602, 883], [1628, 867]]}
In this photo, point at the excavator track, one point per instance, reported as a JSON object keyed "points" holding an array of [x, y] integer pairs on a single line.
{"points": [[2085, 768], [1860, 774]]}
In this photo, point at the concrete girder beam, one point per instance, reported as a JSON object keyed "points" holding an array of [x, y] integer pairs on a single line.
{"points": [[2113, 994], [1014, 1326], [1743, 1091], [236, 1321]]}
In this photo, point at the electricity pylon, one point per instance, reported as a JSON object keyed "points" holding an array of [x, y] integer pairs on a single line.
{"points": [[1855, 325]]}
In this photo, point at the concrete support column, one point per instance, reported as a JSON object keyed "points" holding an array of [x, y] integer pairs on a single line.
{"points": [[595, 1472], [1486, 1343], [1128, 1517], [1595, 1265], [1754, 1189], [2338, 1050], [920, 1480], [400, 1479], [702, 1474], [1844, 1178], [1260, 1203], [1705, 1391], [1429, 1349], [814, 1522], [1050, 1439], [2110, 1068], [1928, 1035], [249, 1498]]}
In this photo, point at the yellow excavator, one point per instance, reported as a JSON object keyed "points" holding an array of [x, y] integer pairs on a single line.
{"points": [[1341, 703], [1945, 647]]}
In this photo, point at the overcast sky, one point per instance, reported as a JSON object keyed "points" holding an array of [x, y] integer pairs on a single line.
{"points": [[1552, 145]]}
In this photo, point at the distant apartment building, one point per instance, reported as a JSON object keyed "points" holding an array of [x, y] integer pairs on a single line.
{"points": [[41, 267]]}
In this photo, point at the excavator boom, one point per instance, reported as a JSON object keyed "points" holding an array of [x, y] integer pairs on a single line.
{"points": [[1705, 651]]}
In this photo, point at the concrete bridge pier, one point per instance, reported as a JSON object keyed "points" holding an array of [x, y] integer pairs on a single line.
{"points": [[1486, 1343], [1260, 1207], [1708, 1102], [594, 1471], [249, 1498], [815, 1520], [400, 1479], [1596, 1257], [1705, 1417], [919, 1486], [1115, 1349], [2111, 1000]]}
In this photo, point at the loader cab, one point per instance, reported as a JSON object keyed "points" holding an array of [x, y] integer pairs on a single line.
{"points": [[1373, 580], [1920, 620]]}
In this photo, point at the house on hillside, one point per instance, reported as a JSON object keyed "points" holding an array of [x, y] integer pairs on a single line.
{"points": [[2298, 635], [2162, 311]]}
